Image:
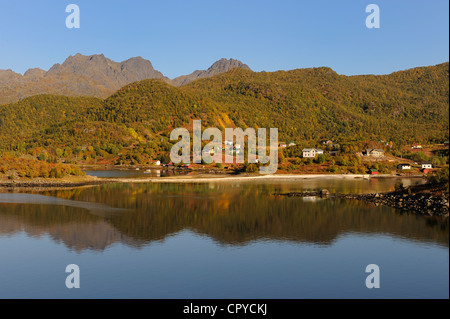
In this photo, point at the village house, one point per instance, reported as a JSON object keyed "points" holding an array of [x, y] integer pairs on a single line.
{"points": [[282, 145], [374, 152], [291, 144], [373, 171], [426, 165], [446, 143], [404, 166], [311, 152], [416, 147]]}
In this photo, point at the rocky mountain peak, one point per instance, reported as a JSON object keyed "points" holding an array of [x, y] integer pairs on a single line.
{"points": [[221, 66]]}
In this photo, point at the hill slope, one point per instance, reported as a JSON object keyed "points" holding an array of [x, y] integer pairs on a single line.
{"points": [[306, 105]]}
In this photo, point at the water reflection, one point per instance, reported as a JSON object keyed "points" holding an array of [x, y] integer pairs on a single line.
{"points": [[129, 173], [92, 207], [231, 214]]}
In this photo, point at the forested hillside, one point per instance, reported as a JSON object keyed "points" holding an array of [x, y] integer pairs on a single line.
{"points": [[306, 105]]}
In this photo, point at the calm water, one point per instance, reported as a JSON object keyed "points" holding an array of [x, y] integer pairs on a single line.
{"points": [[129, 173], [232, 240]]}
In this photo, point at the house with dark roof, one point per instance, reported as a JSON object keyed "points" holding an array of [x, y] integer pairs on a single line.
{"points": [[311, 152]]}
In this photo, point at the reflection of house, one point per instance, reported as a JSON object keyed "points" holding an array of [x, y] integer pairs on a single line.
{"points": [[311, 152], [229, 143], [404, 166], [374, 152], [426, 165]]}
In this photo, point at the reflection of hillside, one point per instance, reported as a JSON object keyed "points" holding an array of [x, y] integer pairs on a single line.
{"points": [[77, 229], [252, 217], [229, 214]]}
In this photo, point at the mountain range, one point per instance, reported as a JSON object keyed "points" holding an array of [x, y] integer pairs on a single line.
{"points": [[306, 105], [94, 75]]}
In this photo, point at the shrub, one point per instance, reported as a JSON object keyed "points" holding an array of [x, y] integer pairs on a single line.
{"points": [[440, 176]]}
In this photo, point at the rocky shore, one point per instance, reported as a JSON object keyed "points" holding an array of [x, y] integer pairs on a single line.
{"points": [[431, 201], [426, 204]]}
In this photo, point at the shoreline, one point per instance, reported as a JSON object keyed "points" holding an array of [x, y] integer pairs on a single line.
{"points": [[200, 178]]}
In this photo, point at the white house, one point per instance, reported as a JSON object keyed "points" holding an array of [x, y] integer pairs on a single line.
{"points": [[311, 152], [157, 163], [404, 166], [427, 165]]}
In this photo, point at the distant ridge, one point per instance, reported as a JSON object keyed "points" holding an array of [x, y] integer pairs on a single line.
{"points": [[221, 66], [105, 71], [93, 75]]}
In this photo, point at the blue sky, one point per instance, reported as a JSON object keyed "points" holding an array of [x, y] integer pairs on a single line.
{"points": [[180, 36]]}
